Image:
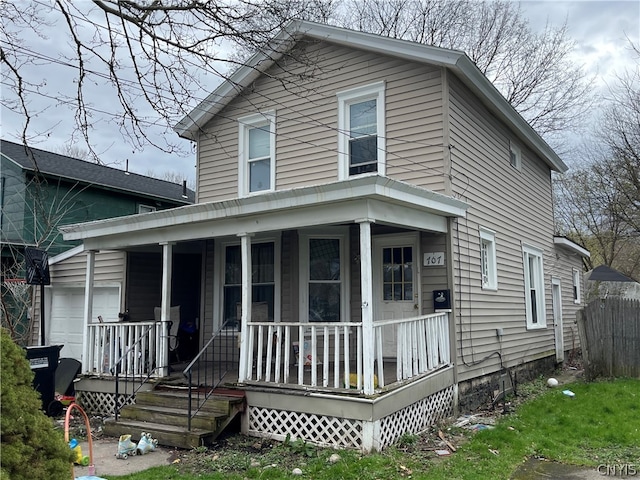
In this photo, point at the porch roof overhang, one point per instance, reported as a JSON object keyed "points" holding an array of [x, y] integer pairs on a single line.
{"points": [[374, 198]]}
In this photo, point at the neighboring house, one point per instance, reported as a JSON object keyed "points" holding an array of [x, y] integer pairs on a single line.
{"points": [[374, 221], [41, 191], [604, 281]]}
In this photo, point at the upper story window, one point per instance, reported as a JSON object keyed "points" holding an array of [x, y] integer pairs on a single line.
{"points": [[146, 208], [576, 286], [534, 287], [257, 148], [515, 156], [488, 261], [361, 130]]}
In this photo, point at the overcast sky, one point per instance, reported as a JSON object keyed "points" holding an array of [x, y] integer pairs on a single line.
{"points": [[598, 27]]}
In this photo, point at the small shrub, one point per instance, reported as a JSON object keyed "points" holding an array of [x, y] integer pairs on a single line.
{"points": [[31, 448]]}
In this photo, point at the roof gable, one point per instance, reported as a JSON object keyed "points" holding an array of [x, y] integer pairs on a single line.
{"points": [[453, 60], [77, 170]]}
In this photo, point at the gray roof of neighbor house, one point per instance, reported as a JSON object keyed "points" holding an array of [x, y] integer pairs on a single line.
{"points": [[453, 60], [74, 169], [603, 273]]}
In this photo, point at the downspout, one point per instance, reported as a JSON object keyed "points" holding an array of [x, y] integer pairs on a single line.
{"points": [[452, 315]]}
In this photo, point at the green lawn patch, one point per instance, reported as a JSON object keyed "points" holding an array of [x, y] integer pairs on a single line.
{"points": [[600, 425]]}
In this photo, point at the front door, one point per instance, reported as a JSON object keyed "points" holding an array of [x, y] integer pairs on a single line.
{"points": [[395, 284], [557, 318]]}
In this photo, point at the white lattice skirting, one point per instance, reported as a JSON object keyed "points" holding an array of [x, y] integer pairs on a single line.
{"points": [[100, 403], [337, 432], [416, 417]]}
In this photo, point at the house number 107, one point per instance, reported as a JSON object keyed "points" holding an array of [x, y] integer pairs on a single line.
{"points": [[434, 259]]}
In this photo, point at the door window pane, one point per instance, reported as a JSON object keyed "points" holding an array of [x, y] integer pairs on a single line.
{"points": [[397, 273]]}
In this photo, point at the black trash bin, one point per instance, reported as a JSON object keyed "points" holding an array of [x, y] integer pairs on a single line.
{"points": [[44, 362]]}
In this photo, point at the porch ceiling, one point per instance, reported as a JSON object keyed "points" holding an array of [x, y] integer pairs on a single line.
{"points": [[375, 198]]}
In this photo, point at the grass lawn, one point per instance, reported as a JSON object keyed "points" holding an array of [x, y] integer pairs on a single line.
{"points": [[600, 425]]}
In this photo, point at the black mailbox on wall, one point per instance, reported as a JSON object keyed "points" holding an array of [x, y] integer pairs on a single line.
{"points": [[442, 299]]}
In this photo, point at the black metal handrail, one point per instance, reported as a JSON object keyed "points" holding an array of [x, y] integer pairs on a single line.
{"points": [[209, 368], [117, 367]]}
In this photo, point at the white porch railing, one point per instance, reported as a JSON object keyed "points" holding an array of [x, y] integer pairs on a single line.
{"points": [[108, 342], [329, 355], [422, 345]]}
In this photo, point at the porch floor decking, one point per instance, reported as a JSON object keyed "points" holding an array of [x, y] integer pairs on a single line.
{"points": [[230, 378]]}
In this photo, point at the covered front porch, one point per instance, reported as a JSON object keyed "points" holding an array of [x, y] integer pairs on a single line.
{"points": [[324, 290]]}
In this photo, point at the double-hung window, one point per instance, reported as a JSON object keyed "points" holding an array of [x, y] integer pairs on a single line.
{"points": [[361, 130], [257, 147], [263, 279], [488, 262], [534, 287], [323, 274]]}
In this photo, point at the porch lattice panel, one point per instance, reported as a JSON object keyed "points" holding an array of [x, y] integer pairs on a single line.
{"points": [[416, 417], [102, 403], [318, 429]]}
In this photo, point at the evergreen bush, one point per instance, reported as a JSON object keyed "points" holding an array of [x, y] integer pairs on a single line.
{"points": [[32, 448]]}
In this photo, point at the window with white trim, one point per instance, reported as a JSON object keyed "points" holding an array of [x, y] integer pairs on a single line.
{"points": [[146, 208], [515, 156], [257, 148], [576, 287], [263, 280], [323, 273], [361, 130], [534, 287], [488, 263]]}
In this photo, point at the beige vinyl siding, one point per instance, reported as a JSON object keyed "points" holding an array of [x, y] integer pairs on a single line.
{"points": [[431, 278], [516, 205], [109, 268], [307, 121]]}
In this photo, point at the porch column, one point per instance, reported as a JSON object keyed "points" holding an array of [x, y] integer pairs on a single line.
{"points": [[165, 308], [88, 346], [245, 253], [368, 338]]}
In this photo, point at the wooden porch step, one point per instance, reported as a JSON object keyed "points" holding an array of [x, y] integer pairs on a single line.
{"points": [[163, 413]]}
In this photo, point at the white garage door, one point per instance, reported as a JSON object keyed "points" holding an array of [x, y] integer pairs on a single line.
{"points": [[67, 308]]}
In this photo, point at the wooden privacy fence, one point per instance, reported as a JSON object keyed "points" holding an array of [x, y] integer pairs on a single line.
{"points": [[609, 332]]}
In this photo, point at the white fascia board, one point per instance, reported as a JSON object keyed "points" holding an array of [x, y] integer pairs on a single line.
{"points": [[66, 254], [368, 187], [571, 246], [317, 215]]}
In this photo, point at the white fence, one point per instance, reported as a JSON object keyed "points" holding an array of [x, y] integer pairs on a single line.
{"points": [[135, 343], [329, 355]]}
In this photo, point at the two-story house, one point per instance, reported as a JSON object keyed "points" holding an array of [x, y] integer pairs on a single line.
{"points": [[375, 223], [42, 190]]}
